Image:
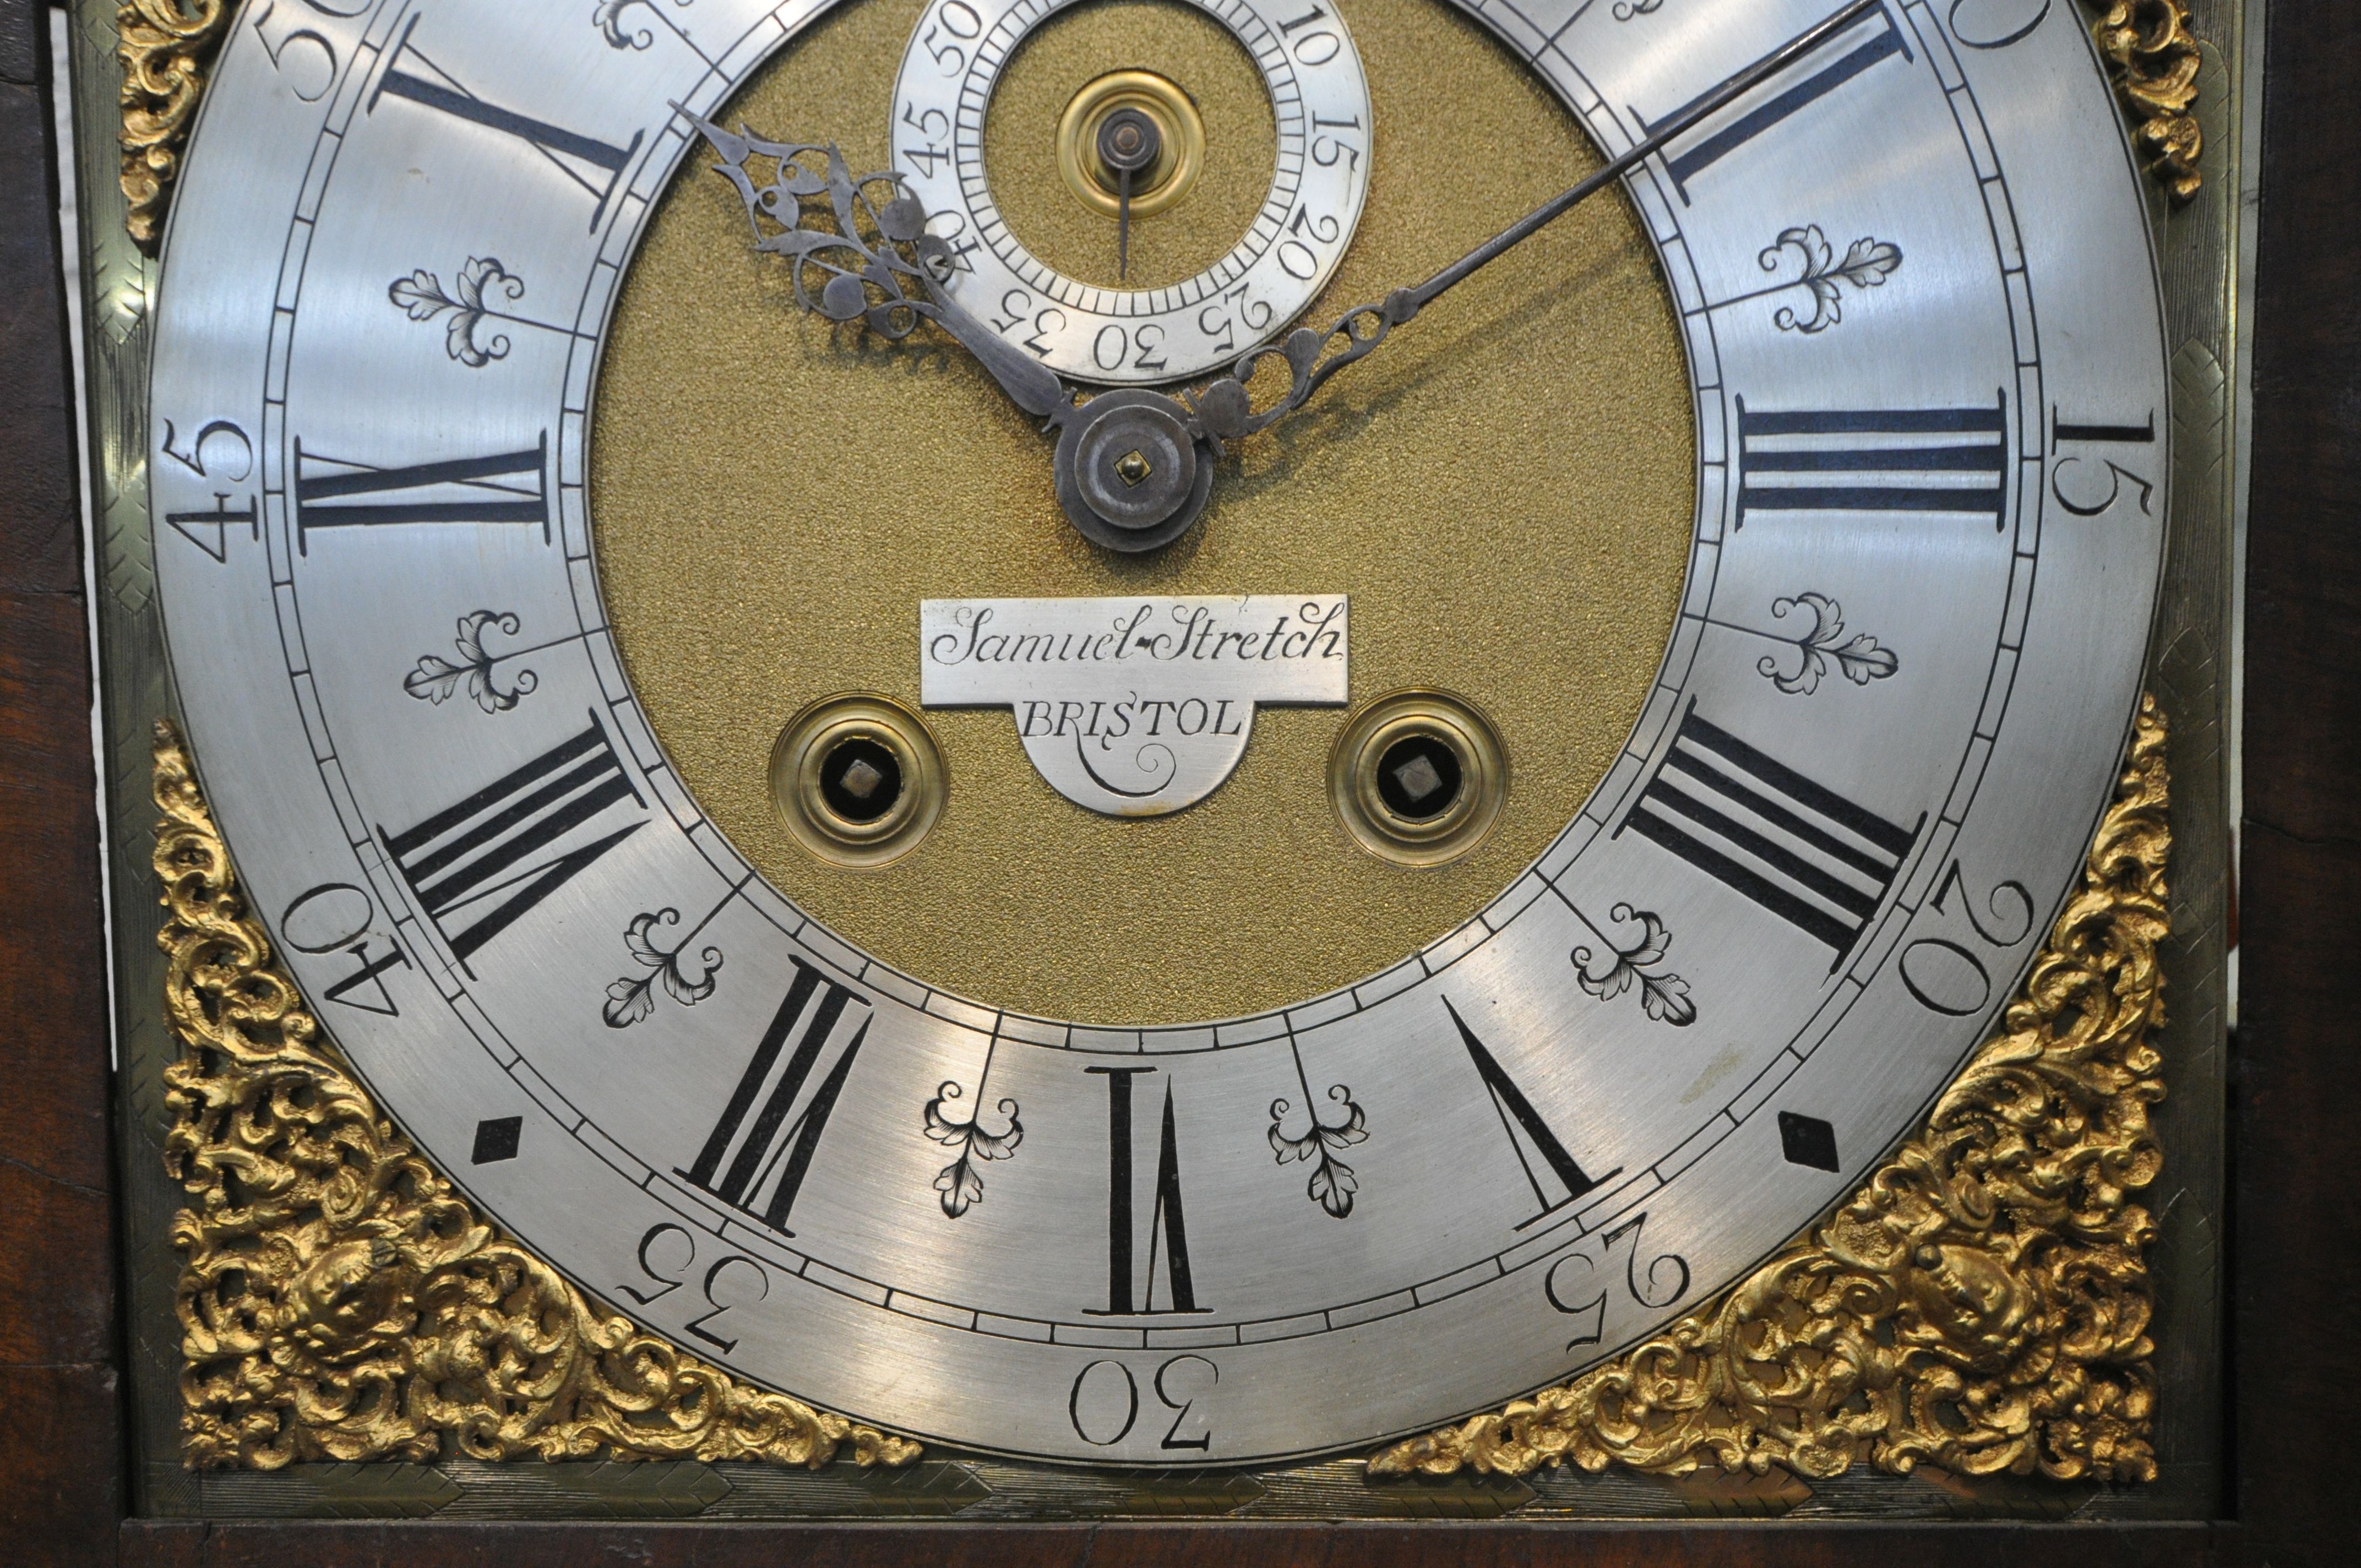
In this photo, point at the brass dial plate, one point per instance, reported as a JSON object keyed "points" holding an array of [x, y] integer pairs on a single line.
{"points": [[1930, 413], [1456, 558]]}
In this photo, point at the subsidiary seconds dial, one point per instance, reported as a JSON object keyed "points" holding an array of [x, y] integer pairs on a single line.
{"points": [[1129, 334]]}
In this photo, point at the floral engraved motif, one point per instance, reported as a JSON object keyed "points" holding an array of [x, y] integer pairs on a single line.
{"points": [[420, 294], [1982, 1304], [1867, 263], [1860, 659], [632, 998], [338, 1300], [607, 16], [959, 1182], [1665, 996], [437, 678], [1331, 1184]]}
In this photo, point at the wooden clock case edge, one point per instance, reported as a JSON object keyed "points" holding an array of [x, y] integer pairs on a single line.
{"points": [[62, 1442]]}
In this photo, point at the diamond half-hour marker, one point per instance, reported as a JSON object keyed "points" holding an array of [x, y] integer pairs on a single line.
{"points": [[1807, 1140], [496, 1139]]}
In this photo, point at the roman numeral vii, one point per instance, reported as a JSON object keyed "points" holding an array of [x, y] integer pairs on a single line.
{"points": [[762, 1144]]}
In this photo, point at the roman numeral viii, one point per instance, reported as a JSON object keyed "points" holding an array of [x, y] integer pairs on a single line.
{"points": [[478, 867], [755, 1159], [504, 487], [1168, 1225], [591, 163], [1555, 1177], [1806, 83], [1798, 848], [1878, 460]]}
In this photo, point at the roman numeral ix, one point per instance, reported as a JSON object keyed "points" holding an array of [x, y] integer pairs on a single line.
{"points": [[473, 866], [1877, 460], [1798, 848], [768, 1151], [506, 487]]}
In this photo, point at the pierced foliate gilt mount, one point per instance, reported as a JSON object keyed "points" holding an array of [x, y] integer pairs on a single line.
{"points": [[166, 47], [337, 1300], [2154, 58], [1981, 1304]]}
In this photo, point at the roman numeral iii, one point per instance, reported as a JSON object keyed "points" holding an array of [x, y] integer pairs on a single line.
{"points": [[477, 867], [755, 1159], [1873, 460], [1798, 848]]}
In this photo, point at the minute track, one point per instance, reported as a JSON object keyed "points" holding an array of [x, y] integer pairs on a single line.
{"points": [[522, 1039]]}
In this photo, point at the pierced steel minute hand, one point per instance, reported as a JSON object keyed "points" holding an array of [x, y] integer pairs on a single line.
{"points": [[863, 268], [1223, 407]]}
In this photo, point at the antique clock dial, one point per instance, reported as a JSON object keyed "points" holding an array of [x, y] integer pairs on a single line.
{"points": [[1317, 175], [870, 728]]}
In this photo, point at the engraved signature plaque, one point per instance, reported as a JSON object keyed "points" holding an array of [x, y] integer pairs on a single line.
{"points": [[1135, 706]]}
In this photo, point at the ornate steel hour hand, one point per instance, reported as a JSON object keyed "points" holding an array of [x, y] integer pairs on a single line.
{"points": [[1223, 410], [864, 267], [1131, 467]]}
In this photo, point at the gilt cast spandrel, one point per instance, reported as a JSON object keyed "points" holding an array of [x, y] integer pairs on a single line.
{"points": [[1979, 1305]]}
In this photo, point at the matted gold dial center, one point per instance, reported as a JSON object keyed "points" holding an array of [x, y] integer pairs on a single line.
{"points": [[1179, 138], [1413, 487]]}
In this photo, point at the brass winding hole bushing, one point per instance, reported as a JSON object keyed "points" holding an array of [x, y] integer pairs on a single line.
{"points": [[857, 779], [1417, 777], [1180, 155]]}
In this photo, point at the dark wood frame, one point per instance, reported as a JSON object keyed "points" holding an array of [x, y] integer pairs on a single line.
{"points": [[2293, 1240]]}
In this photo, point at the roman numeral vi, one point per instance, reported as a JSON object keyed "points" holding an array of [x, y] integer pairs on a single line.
{"points": [[1168, 1227]]}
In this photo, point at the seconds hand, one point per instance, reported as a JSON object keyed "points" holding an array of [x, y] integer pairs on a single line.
{"points": [[1223, 407], [1132, 467], [1128, 142]]}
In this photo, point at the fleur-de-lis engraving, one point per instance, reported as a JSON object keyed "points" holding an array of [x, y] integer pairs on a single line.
{"points": [[959, 1183], [608, 17], [481, 280], [1332, 1183], [1862, 660], [1867, 263], [437, 678], [633, 997], [1663, 995]]}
